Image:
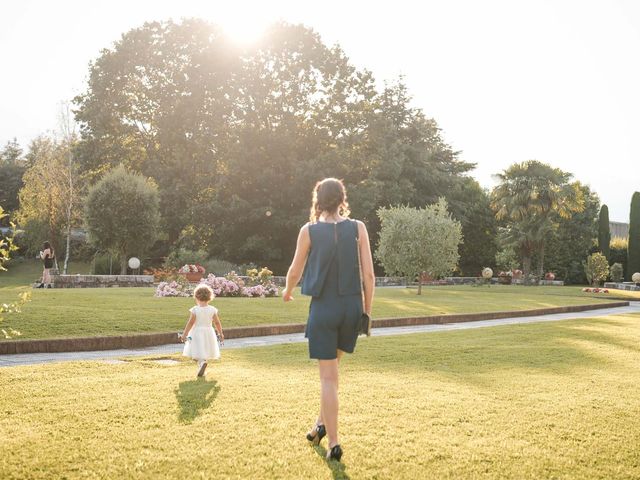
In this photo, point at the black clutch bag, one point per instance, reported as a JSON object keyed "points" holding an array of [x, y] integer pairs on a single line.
{"points": [[365, 325]]}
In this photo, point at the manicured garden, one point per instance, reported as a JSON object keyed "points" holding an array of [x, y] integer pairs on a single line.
{"points": [[115, 311], [547, 400]]}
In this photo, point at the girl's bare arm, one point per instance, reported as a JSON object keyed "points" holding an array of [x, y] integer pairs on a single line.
{"points": [[187, 328], [218, 326]]}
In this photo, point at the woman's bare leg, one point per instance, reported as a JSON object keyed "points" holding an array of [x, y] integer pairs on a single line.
{"points": [[320, 420], [329, 404]]}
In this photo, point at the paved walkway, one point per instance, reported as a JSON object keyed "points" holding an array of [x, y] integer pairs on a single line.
{"points": [[162, 350]]}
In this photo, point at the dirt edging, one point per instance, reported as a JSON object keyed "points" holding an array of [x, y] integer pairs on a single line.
{"points": [[83, 344]]}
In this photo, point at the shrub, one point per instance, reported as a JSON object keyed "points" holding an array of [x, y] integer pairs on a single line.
{"points": [[162, 274], [229, 286], [219, 267], [506, 259], [182, 256], [596, 268], [616, 272], [105, 264]]}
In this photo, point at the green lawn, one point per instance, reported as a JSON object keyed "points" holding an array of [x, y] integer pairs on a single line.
{"points": [[546, 400], [115, 311]]}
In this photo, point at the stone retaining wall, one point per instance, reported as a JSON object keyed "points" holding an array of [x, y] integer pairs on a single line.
{"points": [[629, 286], [152, 339], [101, 281]]}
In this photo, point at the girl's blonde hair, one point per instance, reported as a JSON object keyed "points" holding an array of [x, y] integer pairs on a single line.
{"points": [[329, 195], [203, 293]]}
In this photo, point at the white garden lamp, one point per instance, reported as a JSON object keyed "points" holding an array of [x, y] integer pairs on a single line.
{"points": [[487, 273], [134, 262], [635, 278]]}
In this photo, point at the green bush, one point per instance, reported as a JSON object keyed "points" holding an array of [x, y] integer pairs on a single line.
{"points": [[618, 253], [596, 268], [220, 267], [182, 256], [105, 264], [616, 272], [507, 259]]}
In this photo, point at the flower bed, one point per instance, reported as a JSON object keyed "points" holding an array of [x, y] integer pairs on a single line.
{"points": [[260, 284], [595, 290]]}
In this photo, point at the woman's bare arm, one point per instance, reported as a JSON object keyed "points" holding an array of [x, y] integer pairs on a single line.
{"points": [[297, 265], [368, 275]]}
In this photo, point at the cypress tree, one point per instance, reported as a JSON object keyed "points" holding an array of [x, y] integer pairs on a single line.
{"points": [[633, 250], [604, 232]]}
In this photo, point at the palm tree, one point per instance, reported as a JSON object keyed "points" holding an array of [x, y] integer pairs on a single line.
{"points": [[530, 194]]}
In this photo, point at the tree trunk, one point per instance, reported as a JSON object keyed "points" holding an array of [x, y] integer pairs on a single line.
{"points": [[69, 207], [541, 262], [526, 268], [66, 253], [419, 284], [123, 263]]}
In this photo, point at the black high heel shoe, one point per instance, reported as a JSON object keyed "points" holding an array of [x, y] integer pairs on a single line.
{"points": [[335, 453], [321, 431]]}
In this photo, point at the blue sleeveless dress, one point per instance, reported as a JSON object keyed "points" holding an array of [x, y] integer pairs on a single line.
{"points": [[332, 278]]}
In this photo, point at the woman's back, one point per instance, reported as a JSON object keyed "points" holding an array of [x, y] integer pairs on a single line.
{"points": [[332, 266]]}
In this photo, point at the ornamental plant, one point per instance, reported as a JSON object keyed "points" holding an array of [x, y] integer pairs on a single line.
{"points": [[192, 268], [616, 272], [262, 277], [418, 240], [230, 285], [596, 268]]}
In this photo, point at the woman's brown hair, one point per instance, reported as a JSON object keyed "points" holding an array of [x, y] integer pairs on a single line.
{"points": [[329, 195]]}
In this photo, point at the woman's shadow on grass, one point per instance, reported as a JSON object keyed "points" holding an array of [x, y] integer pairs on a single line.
{"points": [[338, 469], [194, 396]]}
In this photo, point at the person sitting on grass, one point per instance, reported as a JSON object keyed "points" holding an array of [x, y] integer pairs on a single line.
{"points": [[199, 336]]}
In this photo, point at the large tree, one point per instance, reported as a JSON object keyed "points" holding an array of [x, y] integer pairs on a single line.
{"points": [[528, 197], [49, 200], [572, 239], [471, 205], [12, 168], [633, 262], [122, 214], [604, 232], [236, 138]]}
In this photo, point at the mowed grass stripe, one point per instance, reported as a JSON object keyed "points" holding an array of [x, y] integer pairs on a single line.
{"points": [[548, 400]]}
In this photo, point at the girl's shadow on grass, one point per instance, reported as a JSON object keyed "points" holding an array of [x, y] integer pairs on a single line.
{"points": [[194, 396], [338, 470]]}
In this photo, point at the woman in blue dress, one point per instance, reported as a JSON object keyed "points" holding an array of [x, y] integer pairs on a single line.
{"points": [[326, 258]]}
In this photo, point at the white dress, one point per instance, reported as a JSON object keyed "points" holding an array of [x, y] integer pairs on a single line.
{"points": [[204, 343]]}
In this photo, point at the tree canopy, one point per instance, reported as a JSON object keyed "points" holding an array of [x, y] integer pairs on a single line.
{"points": [[417, 240], [122, 214], [529, 198], [236, 138]]}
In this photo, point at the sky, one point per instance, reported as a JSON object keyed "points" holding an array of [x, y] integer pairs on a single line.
{"points": [[507, 81]]}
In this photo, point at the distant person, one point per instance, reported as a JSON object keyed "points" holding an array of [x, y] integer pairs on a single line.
{"points": [[327, 252], [199, 336], [47, 256]]}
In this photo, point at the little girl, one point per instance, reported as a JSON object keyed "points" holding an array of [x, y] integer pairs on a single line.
{"points": [[199, 337]]}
